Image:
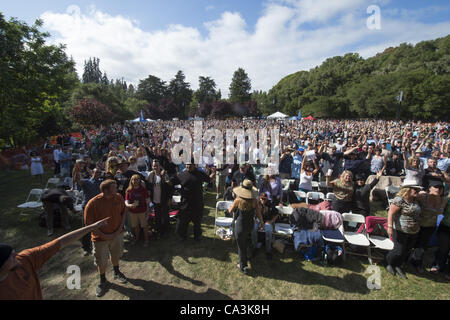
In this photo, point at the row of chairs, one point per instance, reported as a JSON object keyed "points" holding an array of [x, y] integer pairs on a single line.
{"points": [[316, 185], [339, 236]]}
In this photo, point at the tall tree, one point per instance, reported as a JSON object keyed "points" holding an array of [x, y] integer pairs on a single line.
{"points": [[206, 92], [240, 87], [181, 93], [92, 71], [152, 89], [36, 80]]}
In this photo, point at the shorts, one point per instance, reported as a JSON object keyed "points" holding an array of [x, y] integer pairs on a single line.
{"points": [[104, 249], [138, 219]]}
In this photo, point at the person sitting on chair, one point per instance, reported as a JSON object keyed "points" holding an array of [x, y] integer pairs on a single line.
{"points": [[270, 215], [360, 201]]}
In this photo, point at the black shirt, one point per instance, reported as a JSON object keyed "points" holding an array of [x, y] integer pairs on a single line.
{"points": [[191, 188]]}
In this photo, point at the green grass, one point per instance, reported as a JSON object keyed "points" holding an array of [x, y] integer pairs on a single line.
{"points": [[168, 269]]}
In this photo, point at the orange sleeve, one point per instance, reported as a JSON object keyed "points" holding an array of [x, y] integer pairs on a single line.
{"points": [[39, 255]]}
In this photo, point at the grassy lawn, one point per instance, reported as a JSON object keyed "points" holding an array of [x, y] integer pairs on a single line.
{"points": [[168, 269]]}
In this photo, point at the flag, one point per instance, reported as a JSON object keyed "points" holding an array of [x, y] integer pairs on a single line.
{"points": [[142, 116], [299, 117], [400, 97]]}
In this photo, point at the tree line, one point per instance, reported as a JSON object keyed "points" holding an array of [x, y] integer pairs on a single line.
{"points": [[42, 95]]}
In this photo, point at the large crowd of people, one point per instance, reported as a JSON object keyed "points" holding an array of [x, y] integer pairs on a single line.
{"points": [[126, 172]]}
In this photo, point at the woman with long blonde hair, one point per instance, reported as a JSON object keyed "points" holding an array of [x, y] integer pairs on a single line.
{"points": [[403, 225], [343, 190], [111, 165]]}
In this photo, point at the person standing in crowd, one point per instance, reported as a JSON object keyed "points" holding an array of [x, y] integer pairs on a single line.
{"points": [[361, 203], [297, 167], [270, 215], [307, 175], [56, 153], [50, 199], [19, 272], [443, 234], [378, 162], [141, 157], [160, 196], [191, 208], [413, 167], [343, 190], [285, 164], [107, 240], [244, 173], [91, 188], [394, 165], [36, 166], [65, 159], [433, 204], [331, 160], [137, 201], [403, 225], [432, 173], [245, 207]]}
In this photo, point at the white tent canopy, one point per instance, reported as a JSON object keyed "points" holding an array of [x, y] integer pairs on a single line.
{"points": [[278, 115]]}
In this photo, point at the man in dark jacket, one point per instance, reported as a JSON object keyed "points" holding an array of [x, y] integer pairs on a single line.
{"points": [[361, 203], [191, 209], [394, 166]]}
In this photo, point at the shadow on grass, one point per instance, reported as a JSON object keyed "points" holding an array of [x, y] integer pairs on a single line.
{"points": [[155, 291]]}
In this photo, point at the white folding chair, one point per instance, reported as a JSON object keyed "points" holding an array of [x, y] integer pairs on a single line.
{"points": [[68, 181], [285, 183], [222, 222], [390, 192], [176, 199], [315, 185], [285, 211], [316, 196], [283, 229], [53, 181], [300, 194], [354, 238], [29, 203]]}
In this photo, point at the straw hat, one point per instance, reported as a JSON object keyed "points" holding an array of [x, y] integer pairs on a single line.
{"points": [[246, 190], [411, 183]]}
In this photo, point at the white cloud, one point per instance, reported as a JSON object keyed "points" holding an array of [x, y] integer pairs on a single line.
{"points": [[289, 36]]}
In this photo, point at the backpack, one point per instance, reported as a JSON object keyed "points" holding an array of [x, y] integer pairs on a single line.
{"points": [[332, 255]]}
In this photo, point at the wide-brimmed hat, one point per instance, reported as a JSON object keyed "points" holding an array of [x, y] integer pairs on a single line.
{"points": [[411, 183], [246, 190]]}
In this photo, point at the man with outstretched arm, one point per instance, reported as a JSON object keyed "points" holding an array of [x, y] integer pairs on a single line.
{"points": [[19, 272]]}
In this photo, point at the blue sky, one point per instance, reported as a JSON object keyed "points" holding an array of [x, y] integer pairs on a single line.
{"points": [[269, 39]]}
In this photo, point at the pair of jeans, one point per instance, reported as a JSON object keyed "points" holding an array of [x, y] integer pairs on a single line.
{"points": [[268, 230], [403, 243]]}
